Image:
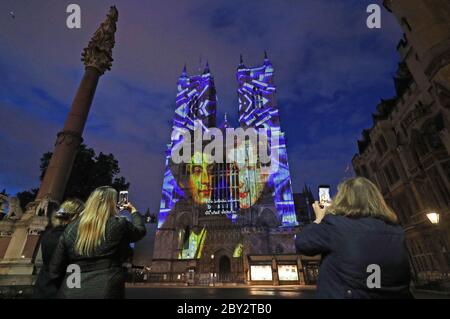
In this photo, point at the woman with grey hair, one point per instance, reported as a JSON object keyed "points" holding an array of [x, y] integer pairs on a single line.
{"points": [[44, 288], [362, 245]]}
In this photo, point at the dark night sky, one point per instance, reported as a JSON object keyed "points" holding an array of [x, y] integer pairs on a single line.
{"points": [[330, 70]]}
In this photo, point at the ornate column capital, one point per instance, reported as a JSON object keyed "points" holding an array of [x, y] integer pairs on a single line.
{"points": [[98, 53]]}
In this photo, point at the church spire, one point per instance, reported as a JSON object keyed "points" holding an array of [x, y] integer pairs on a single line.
{"points": [[241, 62], [206, 70], [184, 72], [266, 58], [225, 121]]}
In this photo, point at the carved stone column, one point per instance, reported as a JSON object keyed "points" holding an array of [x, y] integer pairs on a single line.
{"points": [[17, 264], [97, 58]]}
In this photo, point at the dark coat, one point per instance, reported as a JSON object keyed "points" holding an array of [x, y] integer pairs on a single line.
{"points": [[102, 275], [348, 246], [44, 287]]}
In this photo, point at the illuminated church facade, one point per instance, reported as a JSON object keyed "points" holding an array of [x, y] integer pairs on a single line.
{"points": [[227, 221]]}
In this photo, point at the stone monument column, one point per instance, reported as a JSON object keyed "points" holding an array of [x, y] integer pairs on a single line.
{"points": [[97, 58]]}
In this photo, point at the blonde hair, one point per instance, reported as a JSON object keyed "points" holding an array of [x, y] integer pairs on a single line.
{"points": [[73, 207], [100, 205], [359, 197]]}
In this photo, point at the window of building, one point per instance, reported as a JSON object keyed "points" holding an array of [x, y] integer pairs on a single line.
{"points": [[394, 171], [420, 146], [419, 263], [387, 173], [432, 264], [440, 186], [423, 263], [408, 208], [382, 181], [419, 248], [434, 141], [390, 170], [413, 204]]}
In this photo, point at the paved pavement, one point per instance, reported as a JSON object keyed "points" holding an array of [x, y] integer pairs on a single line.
{"points": [[253, 292], [243, 292]]}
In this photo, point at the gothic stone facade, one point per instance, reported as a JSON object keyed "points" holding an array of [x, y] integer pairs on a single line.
{"points": [[219, 230], [406, 152]]}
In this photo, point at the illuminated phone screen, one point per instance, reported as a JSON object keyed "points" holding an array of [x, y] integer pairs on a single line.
{"points": [[324, 195], [123, 197]]}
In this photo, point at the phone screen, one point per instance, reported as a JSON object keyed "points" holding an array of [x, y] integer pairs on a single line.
{"points": [[324, 195], [123, 197]]}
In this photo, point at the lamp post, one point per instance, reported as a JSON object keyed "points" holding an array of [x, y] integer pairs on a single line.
{"points": [[212, 270], [433, 218]]}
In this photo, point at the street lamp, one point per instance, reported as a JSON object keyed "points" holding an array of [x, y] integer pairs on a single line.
{"points": [[433, 217], [212, 269]]}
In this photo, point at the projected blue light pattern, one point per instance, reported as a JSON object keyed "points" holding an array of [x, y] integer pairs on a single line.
{"points": [[195, 103], [258, 109], [256, 93], [230, 187], [196, 100]]}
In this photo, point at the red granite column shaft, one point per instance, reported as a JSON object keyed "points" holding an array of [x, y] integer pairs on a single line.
{"points": [[69, 139], [97, 58]]}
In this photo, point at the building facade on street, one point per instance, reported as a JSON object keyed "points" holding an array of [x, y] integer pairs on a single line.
{"points": [[231, 221], [407, 150]]}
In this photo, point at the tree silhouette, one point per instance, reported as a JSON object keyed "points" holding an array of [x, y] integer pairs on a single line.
{"points": [[26, 197], [89, 171]]}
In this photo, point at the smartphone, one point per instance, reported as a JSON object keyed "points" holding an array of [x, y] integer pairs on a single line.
{"points": [[123, 199], [324, 195]]}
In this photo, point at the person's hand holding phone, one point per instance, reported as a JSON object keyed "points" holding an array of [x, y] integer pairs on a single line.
{"points": [[319, 210], [128, 206]]}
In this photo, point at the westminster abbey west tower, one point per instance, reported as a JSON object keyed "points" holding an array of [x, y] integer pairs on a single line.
{"points": [[227, 222]]}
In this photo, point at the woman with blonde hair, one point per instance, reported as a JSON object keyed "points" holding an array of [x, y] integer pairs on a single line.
{"points": [[68, 212], [362, 246], [97, 243]]}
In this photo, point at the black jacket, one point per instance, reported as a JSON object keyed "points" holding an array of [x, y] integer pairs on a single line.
{"points": [[102, 275], [348, 246], [44, 287]]}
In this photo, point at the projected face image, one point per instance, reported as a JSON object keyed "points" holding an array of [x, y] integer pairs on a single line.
{"points": [[199, 181], [193, 245], [251, 178]]}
